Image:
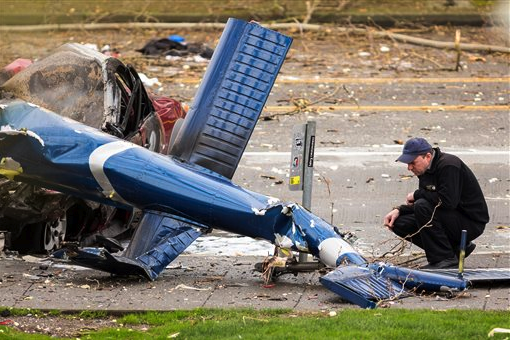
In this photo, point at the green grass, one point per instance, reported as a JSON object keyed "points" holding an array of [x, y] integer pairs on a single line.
{"points": [[24, 311], [87, 314], [286, 324]]}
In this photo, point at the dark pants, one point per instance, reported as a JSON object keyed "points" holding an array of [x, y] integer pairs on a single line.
{"points": [[441, 240]]}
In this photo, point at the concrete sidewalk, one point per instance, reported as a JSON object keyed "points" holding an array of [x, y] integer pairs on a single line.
{"points": [[210, 282]]}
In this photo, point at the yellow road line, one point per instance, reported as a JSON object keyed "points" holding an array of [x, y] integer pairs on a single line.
{"points": [[392, 80], [432, 108], [285, 80]]}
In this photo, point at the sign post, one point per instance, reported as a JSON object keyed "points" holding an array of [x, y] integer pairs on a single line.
{"points": [[302, 165]]}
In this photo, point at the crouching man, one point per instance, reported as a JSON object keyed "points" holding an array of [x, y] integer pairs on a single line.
{"points": [[448, 200]]}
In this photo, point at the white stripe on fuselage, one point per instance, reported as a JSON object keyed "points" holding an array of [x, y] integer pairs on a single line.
{"points": [[97, 160]]}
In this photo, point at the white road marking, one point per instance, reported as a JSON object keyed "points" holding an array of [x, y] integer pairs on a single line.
{"points": [[340, 153], [358, 157]]}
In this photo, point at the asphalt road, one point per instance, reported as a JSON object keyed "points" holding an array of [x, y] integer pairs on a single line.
{"points": [[366, 95], [366, 100]]}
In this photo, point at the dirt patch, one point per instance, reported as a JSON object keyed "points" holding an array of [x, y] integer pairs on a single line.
{"points": [[57, 326], [68, 326]]}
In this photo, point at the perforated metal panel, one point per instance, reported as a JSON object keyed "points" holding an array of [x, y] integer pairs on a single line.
{"points": [[231, 96], [361, 286]]}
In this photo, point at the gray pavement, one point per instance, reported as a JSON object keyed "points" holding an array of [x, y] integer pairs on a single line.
{"points": [[401, 93], [193, 281]]}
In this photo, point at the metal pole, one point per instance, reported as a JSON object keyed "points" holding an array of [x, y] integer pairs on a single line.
{"points": [[308, 167], [308, 172], [462, 253]]}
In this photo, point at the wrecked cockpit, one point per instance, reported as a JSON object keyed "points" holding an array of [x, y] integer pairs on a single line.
{"points": [[101, 92], [89, 87]]}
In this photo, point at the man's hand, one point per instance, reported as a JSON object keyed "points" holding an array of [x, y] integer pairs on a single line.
{"points": [[410, 199], [389, 219]]}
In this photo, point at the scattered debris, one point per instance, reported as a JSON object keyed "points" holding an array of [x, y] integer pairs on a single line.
{"points": [[405, 177], [183, 286], [175, 47], [498, 330], [150, 82]]}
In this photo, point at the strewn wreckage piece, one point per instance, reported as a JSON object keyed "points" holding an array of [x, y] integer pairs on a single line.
{"points": [[175, 46], [188, 193]]}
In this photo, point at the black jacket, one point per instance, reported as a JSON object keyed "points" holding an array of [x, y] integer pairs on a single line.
{"points": [[450, 180]]}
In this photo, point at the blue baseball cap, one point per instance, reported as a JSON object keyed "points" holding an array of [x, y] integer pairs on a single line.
{"points": [[413, 148]]}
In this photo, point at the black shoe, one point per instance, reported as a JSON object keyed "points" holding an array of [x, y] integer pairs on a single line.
{"points": [[444, 264], [469, 249]]}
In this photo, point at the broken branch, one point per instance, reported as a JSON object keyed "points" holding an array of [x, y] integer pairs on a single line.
{"points": [[311, 27], [302, 104], [457, 40]]}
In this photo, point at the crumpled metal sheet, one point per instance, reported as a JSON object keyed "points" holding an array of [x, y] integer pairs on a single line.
{"points": [[419, 279], [47, 83], [159, 239], [366, 285], [360, 285], [477, 275]]}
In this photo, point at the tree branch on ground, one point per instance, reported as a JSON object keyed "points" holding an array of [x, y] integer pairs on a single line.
{"points": [[311, 27]]}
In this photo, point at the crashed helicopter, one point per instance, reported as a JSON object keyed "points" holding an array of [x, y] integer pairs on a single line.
{"points": [[189, 192]]}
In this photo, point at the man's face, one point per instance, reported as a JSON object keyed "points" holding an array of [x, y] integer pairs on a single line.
{"points": [[420, 164]]}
